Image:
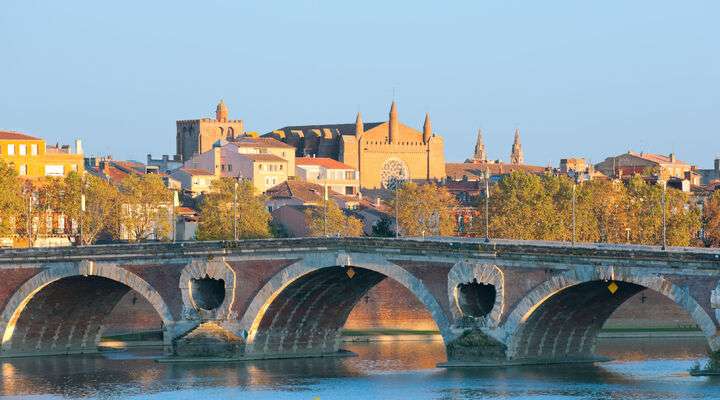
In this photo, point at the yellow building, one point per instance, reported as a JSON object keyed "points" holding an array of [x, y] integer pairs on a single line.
{"points": [[383, 152], [33, 159]]}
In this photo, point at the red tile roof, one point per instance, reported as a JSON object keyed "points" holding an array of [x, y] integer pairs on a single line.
{"points": [[322, 162], [473, 171], [196, 171], [656, 158], [305, 191], [12, 135], [247, 141], [263, 157]]}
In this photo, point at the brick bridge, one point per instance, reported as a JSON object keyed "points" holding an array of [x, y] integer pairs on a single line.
{"points": [[497, 302]]}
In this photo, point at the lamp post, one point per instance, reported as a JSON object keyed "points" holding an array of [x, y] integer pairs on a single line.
{"points": [[235, 227], [664, 218], [487, 206], [397, 210], [175, 203]]}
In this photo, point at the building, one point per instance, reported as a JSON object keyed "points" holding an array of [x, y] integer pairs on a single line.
{"points": [[233, 159], [296, 192], [164, 164], [579, 169], [709, 175], [32, 158], [265, 145], [194, 181], [516, 153], [196, 136], [480, 154], [383, 152], [337, 176], [632, 163]]}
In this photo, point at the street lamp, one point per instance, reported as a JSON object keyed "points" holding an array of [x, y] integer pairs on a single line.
{"points": [[487, 206], [664, 217], [235, 227]]}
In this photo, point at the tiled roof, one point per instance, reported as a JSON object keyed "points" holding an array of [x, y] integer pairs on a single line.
{"points": [[322, 162], [196, 171], [342, 129], [263, 157], [656, 158], [475, 171], [247, 141], [12, 135], [305, 191]]}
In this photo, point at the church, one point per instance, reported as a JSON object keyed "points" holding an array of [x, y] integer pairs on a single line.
{"points": [[196, 136], [383, 152]]}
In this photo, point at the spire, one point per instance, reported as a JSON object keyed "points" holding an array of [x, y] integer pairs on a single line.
{"points": [[359, 128], [394, 131], [516, 156], [480, 154], [221, 112], [427, 128]]}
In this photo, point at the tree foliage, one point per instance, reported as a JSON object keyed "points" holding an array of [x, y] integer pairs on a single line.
{"points": [[145, 208], [424, 210], [532, 207], [711, 220], [216, 212], [337, 223], [11, 199]]}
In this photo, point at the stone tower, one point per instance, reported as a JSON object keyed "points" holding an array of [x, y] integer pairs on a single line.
{"points": [[427, 128], [394, 131], [221, 112], [480, 155], [516, 156]]}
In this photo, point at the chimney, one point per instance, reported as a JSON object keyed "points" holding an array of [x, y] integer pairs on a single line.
{"points": [[78, 146], [717, 165], [672, 158], [216, 160]]}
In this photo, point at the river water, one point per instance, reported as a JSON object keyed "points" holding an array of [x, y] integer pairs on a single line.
{"points": [[643, 369]]}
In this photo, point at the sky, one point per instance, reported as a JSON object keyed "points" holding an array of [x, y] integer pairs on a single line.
{"points": [[579, 78]]}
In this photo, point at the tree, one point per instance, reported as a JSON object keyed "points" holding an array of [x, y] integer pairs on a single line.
{"points": [[383, 227], [11, 199], [101, 207], [711, 220], [144, 208], [424, 210], [337, 223], [216, 212]]}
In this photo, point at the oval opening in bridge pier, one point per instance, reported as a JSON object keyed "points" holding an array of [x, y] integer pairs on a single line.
{"points": [[207, 293], [476, 299]]}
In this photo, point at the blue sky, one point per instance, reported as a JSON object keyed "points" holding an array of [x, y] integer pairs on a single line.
{"points": [[579, 78]]}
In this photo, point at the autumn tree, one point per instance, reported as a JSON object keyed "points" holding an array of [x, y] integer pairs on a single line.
{"points": [[11, 199], [144, 208], [101, 214], [711, 220], [217, 211], [424, 210], [330, 220]]}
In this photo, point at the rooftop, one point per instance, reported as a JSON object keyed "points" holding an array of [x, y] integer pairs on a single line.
{"points": [[249, 141], [322, 162], [263, 157], [196, 171], [475, 171], [305, 191], [657, 158], [12, 135]]}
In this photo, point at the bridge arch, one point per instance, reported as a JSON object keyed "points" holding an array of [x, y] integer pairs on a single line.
{"points": [[61, 309], [468, 273], [302, 308], [561, 318]]}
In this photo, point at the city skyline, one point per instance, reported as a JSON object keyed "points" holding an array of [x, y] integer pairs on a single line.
{"points": [[595, 81]]}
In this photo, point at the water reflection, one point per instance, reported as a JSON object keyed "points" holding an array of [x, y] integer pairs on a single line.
{"points": [[643, 369]]}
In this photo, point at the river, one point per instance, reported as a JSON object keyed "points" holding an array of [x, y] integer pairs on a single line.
{"points": [[642, 369]]}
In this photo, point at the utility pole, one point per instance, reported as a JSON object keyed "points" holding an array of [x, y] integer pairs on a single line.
{"points": [[235, 227], [174, 217], [397, 207]]}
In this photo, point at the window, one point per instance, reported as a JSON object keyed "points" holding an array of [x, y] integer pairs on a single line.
{"points": [[74, 167], [229, 167], [349, 175], [22, 149], [280, 167], [33, 149], [222, 167], [23, 170], [11, 149], [260, 167], [54, 170]]}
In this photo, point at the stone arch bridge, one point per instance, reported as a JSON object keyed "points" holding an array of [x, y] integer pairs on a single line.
{"points": [[498, 302]]}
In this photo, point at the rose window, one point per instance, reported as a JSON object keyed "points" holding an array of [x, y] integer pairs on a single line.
{"points": [[393, 172]]}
